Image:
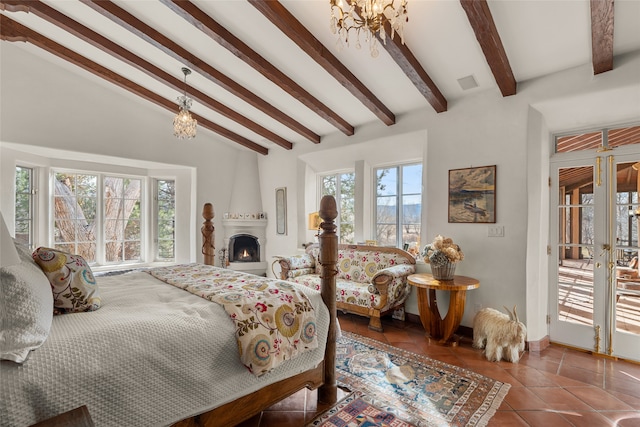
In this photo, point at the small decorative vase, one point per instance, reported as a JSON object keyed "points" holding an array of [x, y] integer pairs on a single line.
{"points": [[443, 272]]}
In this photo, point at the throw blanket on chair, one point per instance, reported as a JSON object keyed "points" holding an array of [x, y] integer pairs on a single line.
{"points": [[274, 321]]}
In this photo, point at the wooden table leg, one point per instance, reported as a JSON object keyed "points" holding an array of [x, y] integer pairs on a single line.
{"points": [[435, 329], [423, 309], [454, 315]]}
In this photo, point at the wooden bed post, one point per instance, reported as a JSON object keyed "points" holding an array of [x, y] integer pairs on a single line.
{"points": [[328, 258], [208, 234]]}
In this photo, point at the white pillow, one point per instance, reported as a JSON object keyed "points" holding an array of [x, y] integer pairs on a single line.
{"points": [[26, 307]]}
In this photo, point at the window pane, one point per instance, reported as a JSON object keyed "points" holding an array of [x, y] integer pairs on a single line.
{"points": [[132, 251], [398, 204], [122, 225], [342, 187], [412, 179], [387, 182], [585, 141], [75, 212], [386, 234], [166, 220], [624, 136], [24, 206], [329, 185]]}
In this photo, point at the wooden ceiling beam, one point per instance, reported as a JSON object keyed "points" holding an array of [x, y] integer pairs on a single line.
{"points": [[412, 68], [57, 18], [486, 32], [602, 35], [173, 49], [11, 30], [196, 17], [279, 16]]}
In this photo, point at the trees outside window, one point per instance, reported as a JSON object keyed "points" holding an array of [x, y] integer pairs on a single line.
{"points": [[87, 213], [398, 205], [25, 198], [166, 210], [342, 187]]}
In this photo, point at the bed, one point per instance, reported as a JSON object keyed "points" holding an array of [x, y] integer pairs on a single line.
{"points": [[154, 354]]}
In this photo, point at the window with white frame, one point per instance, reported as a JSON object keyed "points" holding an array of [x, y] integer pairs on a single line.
{"points": [[342, 187], [98, 216], [25, 199], [166, 219], [398, 201]]}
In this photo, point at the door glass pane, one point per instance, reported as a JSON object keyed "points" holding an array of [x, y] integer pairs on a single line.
{"points": [[575, 286], [627, 277], [576, 245]]}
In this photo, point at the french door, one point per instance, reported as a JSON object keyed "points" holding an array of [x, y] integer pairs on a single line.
{"points": [[594, 276]]}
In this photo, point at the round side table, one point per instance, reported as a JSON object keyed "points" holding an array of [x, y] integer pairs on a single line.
{"points": [[439, 329]]}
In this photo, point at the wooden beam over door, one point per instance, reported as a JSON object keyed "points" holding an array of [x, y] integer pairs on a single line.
{"points": [[279, 16], [11, 30], [602, 35], [486, 32], [195, 16]]}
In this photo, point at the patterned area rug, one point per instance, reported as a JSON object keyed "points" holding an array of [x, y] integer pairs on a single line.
{"points": [[414, 389]]}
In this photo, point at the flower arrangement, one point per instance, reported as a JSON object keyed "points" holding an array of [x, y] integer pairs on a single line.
{"points": [[442, 251]]}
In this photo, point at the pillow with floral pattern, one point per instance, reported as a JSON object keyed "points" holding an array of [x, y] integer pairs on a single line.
{"points": [[74, 286]]}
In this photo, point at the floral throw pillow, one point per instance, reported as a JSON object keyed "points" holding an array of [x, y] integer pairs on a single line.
{"points": [[73, 284]]}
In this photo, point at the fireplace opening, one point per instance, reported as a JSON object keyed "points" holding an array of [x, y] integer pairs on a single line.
{"points": [[244, 248]]}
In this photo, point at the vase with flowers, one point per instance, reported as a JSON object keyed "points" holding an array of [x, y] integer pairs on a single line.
{"points": [[442, 255]]}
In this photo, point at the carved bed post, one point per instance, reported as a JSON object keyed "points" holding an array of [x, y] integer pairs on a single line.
{"points": [[208, 234], [328, 258]]}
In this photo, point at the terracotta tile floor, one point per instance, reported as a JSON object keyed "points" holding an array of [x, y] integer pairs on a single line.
{"points": [[556, 387]]}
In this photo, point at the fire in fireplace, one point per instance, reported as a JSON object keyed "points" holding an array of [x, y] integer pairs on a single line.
{"points": [[244, 248]]}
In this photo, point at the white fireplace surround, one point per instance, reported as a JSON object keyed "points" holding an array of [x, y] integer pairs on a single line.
{"points": [[253, 227]]}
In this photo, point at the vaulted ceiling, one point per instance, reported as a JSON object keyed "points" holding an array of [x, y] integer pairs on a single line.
{"points": [[268, 74]]}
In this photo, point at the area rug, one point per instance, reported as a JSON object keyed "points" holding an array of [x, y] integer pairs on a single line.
{"points": [[416, 389], [355, 411]]}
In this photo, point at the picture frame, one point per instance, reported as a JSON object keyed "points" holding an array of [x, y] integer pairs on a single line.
{"points": [[281, 210], [472, 195]]}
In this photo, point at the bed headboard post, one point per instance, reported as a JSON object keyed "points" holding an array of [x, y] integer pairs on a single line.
{"points": [[328, 258], [208, 234]]}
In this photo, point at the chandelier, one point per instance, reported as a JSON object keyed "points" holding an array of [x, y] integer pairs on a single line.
{"points": [[369, 17], [184, 126]]}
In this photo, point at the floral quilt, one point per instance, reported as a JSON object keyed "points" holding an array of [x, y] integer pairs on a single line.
{"points": [[274, 321]]}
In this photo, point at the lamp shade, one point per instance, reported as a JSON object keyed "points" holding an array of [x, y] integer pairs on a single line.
{"points": [[313, 221], [8, 252]]}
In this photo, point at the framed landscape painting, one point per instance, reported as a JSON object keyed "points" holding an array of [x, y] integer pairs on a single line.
{"points": [[472, 195]]}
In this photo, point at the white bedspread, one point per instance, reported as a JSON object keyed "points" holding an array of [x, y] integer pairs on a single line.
{"points": [[151, 355]]}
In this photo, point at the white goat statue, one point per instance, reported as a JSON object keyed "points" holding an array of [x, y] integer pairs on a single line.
{"points": [[503, 335]]}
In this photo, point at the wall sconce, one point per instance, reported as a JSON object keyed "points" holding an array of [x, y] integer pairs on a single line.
{"points": [[313, 221]]}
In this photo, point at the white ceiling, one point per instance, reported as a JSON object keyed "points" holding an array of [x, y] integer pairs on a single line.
{"points": [[540, 37]]}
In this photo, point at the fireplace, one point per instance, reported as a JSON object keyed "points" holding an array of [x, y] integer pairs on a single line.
{"points": [[245, 223], [244, 241], [244, 248]]}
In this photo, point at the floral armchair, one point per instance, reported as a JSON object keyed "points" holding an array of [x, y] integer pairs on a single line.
{"points": [[371, 280]]}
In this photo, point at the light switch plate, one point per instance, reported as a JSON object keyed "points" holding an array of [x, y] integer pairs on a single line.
{"points": [[496, 231]]}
